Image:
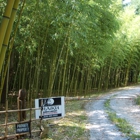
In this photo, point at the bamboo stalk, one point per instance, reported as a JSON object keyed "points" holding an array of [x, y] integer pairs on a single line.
{"points": [[59, 81], [100, 78], [68, 79], [76, 83], [24, 70], [64, 72], [73, 74], [5, 21], [8, 32], [6, 119], [87, 81], [81, 86], [6, 113], [30, 112], [11, 46], [127, 70]]}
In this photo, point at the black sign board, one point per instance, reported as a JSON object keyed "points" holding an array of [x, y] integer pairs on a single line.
{"points": [[23, 127], [50, 101]]}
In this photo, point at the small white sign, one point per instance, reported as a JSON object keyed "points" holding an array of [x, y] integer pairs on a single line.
{"points": [[53, 107]]}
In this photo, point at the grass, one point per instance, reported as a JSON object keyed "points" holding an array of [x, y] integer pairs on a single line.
{"points": [[137, 100], [107, 103], [121, 123], [72, 126]]}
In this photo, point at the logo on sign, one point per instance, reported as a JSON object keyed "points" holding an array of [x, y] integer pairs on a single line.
{"points": [[50, 101]]}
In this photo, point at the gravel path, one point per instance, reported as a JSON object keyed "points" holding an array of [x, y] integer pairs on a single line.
{"points": [[122, 102]]}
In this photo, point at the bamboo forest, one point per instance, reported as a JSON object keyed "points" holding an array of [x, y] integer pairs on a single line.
{"points": [[68, 47]]}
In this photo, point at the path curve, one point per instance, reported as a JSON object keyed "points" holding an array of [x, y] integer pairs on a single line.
{"points": [[100, 127]]}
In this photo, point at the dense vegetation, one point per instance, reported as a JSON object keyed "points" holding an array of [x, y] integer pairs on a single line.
{"points": [[71, 47]]}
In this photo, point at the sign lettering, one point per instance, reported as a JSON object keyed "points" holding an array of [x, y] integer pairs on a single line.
{"points": [[23, 127]]}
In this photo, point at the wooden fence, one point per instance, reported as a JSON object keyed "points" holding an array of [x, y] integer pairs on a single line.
{"points": [[29, 120], [6, 136]]}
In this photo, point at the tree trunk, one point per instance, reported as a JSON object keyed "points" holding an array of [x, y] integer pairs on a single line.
{"points": [[64, 73]]}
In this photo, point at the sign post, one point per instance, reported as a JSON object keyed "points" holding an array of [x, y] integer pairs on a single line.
{"points": [[52, 107]]}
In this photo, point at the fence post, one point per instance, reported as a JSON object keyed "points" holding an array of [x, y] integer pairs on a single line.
{"points": [[21, 104], [6, 119]]}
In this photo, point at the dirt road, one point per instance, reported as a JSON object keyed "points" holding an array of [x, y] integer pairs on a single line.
{"points": [[122, 102]]}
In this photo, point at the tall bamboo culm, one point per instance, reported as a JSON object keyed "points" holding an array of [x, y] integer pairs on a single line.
{"points": [[6, 38], [5, 20], [5, 26]]}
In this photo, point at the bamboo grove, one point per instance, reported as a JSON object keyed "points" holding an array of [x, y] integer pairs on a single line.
{"points": [[69, 47]]}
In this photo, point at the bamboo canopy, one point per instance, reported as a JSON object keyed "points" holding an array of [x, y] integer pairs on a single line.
{"points": [[72, 52]]}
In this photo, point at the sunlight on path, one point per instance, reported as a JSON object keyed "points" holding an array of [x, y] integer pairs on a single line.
{"points": [[127, 108], [99, 125]]}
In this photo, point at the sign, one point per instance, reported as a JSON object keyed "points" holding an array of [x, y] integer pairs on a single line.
{"points": [[23, 127], [50, 107]]}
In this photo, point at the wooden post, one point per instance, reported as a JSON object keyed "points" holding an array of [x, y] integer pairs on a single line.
{"points": [[21, 104], [6, 119]]}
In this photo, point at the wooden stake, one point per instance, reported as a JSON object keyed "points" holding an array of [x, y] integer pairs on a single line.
{"points": [[6, 119], [21, 104]]}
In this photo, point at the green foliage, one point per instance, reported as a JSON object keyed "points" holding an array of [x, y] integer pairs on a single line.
{"points": [[76, 46], [107, 103], [121, 123], [2, 6], [85, 28], [138, 100]]}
